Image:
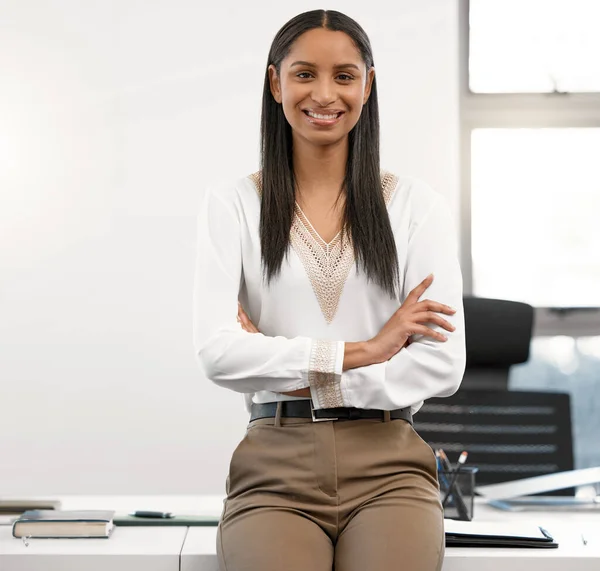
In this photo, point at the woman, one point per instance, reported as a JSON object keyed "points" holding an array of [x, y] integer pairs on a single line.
{"points": [[332, 344]]}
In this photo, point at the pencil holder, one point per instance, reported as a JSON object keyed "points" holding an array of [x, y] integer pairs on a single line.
{"points": [[457, 490]]}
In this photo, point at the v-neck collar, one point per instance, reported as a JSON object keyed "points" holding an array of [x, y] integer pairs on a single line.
{"points": [[327, 264], [307, 223]]}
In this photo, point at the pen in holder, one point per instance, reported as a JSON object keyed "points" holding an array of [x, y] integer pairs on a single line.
{"points": [[457, 487]]}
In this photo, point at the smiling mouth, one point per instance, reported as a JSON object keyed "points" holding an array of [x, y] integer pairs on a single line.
{"points": [[323, 116]]}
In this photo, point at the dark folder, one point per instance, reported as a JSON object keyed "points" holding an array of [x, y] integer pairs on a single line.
{"points": [[496, 534], [177, 520]]}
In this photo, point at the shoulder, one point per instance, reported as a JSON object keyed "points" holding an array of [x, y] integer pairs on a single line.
{"points": [[414, 196], [235, 193]]}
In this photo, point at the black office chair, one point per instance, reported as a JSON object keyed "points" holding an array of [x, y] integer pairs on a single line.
{"points": [[509, 435], [498, 335]]}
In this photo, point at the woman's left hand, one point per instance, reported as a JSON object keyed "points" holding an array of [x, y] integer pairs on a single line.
{"points": [[248, 326]]}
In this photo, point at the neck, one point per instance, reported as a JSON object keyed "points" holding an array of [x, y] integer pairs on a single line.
{"points": [[319, 170]]}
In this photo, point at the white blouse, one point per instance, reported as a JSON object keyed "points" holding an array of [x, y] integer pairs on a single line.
{"points": [[319, 301]]}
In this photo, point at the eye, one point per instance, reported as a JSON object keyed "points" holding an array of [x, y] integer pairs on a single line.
{"points": [[341, 76]]}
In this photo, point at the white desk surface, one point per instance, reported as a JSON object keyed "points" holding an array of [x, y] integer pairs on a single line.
{"points": [[128, 548], [194, 548]]}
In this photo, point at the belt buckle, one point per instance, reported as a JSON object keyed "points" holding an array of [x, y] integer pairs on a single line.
{"points": [[314, 418]]}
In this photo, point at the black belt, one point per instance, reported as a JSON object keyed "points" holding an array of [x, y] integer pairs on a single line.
{"points": [[303, 409]]}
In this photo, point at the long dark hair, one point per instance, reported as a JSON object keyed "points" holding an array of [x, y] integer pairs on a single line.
{"points": [[365, 218]]}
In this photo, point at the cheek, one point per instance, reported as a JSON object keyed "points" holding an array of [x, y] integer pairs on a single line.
{"points": [[291, 104], [290, 110]]}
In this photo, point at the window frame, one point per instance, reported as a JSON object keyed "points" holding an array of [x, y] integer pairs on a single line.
{"points": [[517, 110]]}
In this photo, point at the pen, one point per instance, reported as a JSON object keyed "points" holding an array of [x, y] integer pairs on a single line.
{"points": [[444, 460], [441, 469], [151, 514], [454, 475]]}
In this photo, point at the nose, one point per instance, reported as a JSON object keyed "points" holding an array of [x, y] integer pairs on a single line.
{"points": [[323, 92]]}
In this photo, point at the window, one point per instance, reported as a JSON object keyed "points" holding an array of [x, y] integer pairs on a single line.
{"points": [[530, 174], [535, 208], [530, 185], [534, 46]]}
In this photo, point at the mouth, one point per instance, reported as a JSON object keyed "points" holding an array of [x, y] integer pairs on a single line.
{"points": [[325, 119]]}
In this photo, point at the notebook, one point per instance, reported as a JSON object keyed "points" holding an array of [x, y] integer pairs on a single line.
{"points": [[64, 524], [177, 520], [496, 534]]}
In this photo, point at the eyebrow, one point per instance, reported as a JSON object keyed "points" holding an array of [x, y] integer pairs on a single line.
{"points": [[338, 66]]}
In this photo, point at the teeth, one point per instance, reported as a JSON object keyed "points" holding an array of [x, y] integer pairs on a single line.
{"points": [[317, 116]]}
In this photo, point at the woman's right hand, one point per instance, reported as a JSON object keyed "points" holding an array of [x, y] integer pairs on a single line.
{"points": [[407, 321]]}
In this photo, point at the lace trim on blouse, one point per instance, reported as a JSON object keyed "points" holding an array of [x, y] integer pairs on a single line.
{"points": [[327, 264], [324, 383]]}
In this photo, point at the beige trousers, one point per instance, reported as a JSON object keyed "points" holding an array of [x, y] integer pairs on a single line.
{"points": [[357, 495]]}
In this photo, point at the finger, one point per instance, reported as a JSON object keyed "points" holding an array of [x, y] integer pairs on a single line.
{"points": [[249, 327], [422, 330], [247, 322], [430, 305], [431, 317], [243, 315], [418, 291], [244, 319]]}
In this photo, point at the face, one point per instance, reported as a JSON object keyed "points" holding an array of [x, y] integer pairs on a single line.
{"points": [[322, 86]]}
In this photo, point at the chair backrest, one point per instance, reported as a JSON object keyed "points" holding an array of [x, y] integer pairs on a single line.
{"points": [[509, 435], [498, 335]]}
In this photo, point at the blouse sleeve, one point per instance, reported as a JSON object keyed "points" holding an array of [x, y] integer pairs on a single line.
{"points": [[229, 356], [427, 367]]}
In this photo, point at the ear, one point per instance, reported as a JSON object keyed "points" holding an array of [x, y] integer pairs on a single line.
{"points": [[368, 84], [274, 83]]}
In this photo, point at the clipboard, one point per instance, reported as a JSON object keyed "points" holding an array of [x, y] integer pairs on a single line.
{"points": [[496, 534]]}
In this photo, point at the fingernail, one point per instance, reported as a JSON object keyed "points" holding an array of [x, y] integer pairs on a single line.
{"points": [[430, 276]]}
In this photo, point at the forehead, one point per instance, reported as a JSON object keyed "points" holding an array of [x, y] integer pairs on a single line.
{"points": [[324, 47]]}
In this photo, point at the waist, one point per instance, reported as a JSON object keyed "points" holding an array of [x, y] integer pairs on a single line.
{"points": [[304, 409]]}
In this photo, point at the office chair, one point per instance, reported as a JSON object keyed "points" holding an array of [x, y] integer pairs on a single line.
{"points": [[498, 334], [509, 435]]}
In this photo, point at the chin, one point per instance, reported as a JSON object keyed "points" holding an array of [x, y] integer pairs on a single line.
{"points": [[321, 139]]}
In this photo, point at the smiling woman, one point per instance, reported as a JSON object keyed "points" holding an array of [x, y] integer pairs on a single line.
{"points": [[308, 287], [304, 82]]}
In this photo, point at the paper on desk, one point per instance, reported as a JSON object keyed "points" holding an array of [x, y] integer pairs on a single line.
{"points": [[540, 484]]}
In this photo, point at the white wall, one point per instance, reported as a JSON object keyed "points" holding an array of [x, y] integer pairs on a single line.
{"points": [[114, 115]]}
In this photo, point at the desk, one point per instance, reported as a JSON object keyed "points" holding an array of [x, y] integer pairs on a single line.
{"points": [[128, 549], [193, 548]]}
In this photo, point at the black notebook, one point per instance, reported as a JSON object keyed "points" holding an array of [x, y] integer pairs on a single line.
{"points": [[496, 534]]}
